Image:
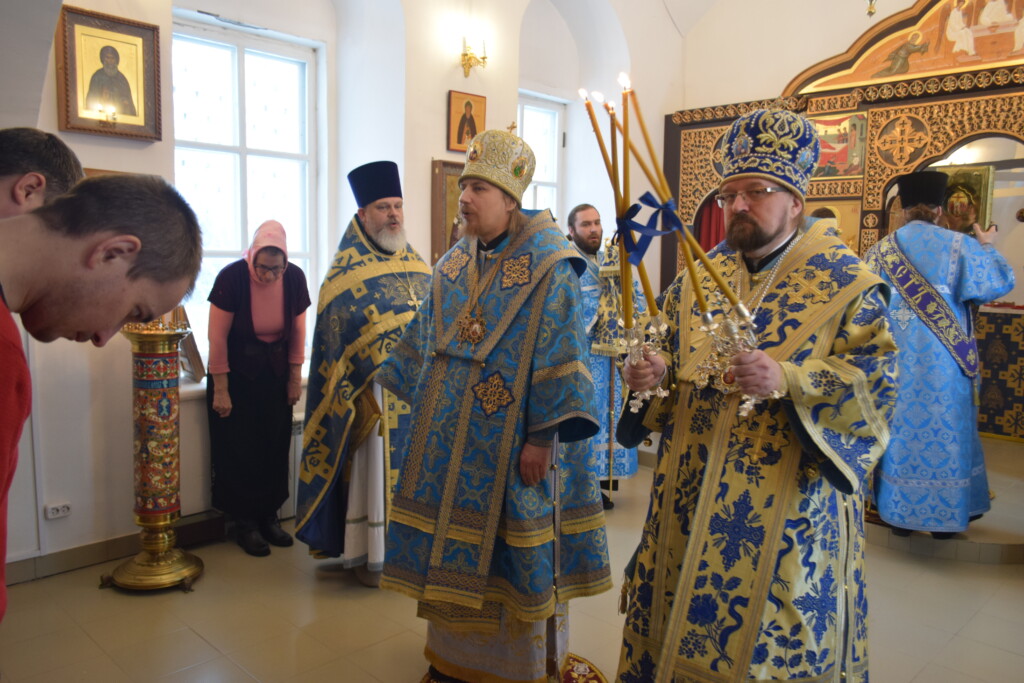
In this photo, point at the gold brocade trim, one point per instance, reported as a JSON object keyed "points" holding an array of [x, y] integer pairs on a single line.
{"points": [[330, 389], [421, 428], [337, 374], [464, 674], [454, 264], [444, 608], [516, 272], [446, 328], [492, 394], [733, 111], [812, 242], [562, 370], [356, 276], [540, 426]]}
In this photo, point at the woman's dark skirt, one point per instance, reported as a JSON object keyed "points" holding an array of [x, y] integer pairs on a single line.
{"points": [[249, 447]]}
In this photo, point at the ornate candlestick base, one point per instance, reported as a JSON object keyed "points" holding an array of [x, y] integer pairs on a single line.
{"points": [[159, 565], [156, 459]]}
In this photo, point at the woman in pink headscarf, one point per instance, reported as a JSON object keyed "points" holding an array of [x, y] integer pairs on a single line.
{"points": [[257, 337]]}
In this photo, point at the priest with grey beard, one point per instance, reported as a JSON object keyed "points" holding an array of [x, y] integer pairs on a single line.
{"points": [[373, 289]]}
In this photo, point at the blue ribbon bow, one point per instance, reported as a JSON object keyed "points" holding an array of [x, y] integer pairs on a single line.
{"points": [[626, 225]]}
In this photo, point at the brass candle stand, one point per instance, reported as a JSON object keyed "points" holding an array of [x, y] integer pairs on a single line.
{"points": [[156, 460]]}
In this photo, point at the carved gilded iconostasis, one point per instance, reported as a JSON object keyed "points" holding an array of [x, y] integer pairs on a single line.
{"points": [[940, 84]]}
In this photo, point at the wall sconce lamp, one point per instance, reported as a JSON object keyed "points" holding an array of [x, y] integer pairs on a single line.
{"points": [[469, 58], [871, 8]]}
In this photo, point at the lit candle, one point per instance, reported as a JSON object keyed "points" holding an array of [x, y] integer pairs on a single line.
{"points": [[715, 275], [624, 82], [691, 269], [625, 275], [663, 195], [610, 108], [662, 181], [597, 133], [620, 210]]}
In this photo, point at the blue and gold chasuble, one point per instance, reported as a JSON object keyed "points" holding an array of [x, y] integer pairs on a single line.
{"points": [[366, 300], [466, 537], [601, 293], [932, 477], [773, 588]]}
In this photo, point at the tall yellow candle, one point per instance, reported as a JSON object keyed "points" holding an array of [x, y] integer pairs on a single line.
{"points": [[610, 108], [662, 183], [626, 195], [691, 269], [597, 133], [625, 275]]}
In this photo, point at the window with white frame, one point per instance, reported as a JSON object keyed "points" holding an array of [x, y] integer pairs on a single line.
{"points": [[540, 123], [244, 147]]}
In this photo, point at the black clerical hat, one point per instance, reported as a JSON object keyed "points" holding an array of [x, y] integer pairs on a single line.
{"points": [[923, 187], [374, 180]]}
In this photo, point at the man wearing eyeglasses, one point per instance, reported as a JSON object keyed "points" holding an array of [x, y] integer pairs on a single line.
{"points": [[750, 565], [373, 290]]}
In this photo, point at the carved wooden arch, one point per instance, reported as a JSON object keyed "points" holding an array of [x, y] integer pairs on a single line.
{"points": [[941, 99]]}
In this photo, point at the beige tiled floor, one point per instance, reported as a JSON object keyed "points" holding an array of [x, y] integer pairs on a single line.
{"points": [[290, 618]]}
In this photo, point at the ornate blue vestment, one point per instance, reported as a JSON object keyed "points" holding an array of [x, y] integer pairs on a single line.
{"points": [[466, 537], [932, 476], [366, 300], [751, 562], [601, 293]]}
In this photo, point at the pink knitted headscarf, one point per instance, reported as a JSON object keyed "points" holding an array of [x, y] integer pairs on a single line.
{"points": [[270, 234]]}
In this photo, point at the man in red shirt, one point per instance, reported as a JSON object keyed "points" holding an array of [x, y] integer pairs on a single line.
{"points": [[116, 249], [35, 166]]}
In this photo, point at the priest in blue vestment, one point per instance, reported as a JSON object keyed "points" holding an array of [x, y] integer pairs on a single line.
{"points": [[489, 533], [372, 291], [932, 477]]}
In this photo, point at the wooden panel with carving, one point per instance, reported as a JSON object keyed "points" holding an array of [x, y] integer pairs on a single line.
{"points": [[903, 138], [700, 168]]}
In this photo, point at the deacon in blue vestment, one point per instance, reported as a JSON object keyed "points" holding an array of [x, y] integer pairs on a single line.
{"points": [[376, 283], [932, 476], [483, 523], [599, 284]]}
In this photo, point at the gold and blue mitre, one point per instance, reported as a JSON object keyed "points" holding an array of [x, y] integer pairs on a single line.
{"points": [[502, 159], [773, 144]]}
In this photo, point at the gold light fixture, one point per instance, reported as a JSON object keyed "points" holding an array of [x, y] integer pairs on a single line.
{"points": [[871, 8], [469, 58]]}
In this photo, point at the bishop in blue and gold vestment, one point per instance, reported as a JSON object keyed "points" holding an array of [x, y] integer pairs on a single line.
{"points": [[494, 367], [750, 566], [370, 294], [932, 477]]}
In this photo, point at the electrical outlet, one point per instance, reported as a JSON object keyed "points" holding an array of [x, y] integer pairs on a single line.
{"points": [[57, 510]]}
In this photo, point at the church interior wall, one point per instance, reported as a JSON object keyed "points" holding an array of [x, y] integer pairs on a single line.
{"points": [[389, 65]]}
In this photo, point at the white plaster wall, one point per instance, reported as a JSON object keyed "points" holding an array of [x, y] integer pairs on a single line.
{"points": [[743, 50], [432, 68]]}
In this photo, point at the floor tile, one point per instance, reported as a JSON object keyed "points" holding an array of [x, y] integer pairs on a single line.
{"points": [[399, 658], [149, 659], [220, 670], [282, 657], [101, 669]]}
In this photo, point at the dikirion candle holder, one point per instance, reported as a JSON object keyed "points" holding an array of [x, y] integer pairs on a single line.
{"points": [[156, 454]]}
